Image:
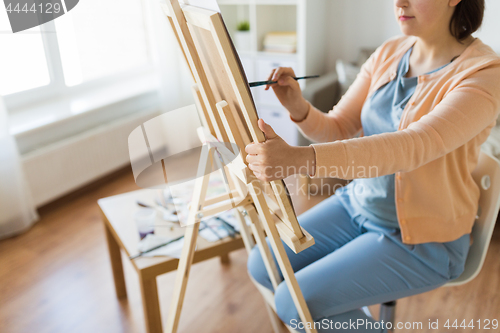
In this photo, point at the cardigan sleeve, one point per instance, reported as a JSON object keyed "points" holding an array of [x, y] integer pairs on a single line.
{"points": [[344, 120], [463, 113]]}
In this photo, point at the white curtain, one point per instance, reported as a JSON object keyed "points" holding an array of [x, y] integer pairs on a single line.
{"points": [[17, 212]]}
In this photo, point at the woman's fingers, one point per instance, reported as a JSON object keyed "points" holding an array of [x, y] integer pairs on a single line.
{"points": [[283, 71], [251, 158], [269, 78], [286, 81], [252, 149], [276, 73]]}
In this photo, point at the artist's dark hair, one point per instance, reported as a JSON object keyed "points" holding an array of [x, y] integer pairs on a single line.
{"points": [[467, 18]]}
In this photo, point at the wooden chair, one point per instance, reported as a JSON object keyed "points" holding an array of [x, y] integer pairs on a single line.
{"points": [[487, 177]]}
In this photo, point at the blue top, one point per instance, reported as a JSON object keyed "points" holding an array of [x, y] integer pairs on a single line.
{"points": [[374, 198]]}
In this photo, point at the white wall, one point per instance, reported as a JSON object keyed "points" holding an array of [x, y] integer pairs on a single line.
{"points": [[368, 23], [489, 32]]}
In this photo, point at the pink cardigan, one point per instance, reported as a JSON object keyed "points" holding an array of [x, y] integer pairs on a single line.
{"points": [[435, 148]]}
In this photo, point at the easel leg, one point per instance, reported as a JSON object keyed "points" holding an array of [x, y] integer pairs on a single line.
{"points": [[271, 268], [116, 264], [181, 278], [150, 303], [275, 320], [228, 182], [281, 256], [190, 238], [265, 252], [245, 231]]}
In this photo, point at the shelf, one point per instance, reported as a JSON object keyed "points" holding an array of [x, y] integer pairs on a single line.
{"points": [[234, 2], [267, 55], [273, 18], [287, 56], [306, 18], [276, 2], [257, 2], [233, 15]]}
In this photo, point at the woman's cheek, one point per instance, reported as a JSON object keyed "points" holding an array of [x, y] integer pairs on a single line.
{"points": [[429, 11]]}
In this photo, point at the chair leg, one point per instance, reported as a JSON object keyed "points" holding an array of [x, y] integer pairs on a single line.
{"points": [[388, 314], [273, 317]]}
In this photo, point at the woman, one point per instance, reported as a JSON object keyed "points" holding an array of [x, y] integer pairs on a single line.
{"points": [[424, 102]]}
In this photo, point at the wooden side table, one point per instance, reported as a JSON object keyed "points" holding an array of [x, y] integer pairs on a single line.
{"points": [[121, 234]]}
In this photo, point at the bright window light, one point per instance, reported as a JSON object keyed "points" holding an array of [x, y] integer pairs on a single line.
{"points": [[100, 38], [23, 64]]}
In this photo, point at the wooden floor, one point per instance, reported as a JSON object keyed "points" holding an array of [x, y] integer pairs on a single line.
{"points": [[56, 278]]}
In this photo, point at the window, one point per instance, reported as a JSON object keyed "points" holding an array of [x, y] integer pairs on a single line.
{"points": [[22, 61], [98, 43], [95, 45]]}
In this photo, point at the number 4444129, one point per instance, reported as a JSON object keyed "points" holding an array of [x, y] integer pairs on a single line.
{"points": [[484, 324], [47, 8]]}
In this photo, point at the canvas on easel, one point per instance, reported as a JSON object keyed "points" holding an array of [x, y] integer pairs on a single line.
{"points": [[228, 113]]}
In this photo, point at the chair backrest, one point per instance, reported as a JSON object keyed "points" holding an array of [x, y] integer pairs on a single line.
{"points": [[487, 176]]}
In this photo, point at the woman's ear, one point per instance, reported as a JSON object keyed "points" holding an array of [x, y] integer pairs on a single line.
{"points": [[453, 3]]}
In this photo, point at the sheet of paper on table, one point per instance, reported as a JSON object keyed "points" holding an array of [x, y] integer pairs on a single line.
{"points": [[211, 230], [218, 230], [182, 194], [172, 250]]}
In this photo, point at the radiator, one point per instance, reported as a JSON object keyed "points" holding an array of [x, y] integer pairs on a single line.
{"points": [[63, 167]]}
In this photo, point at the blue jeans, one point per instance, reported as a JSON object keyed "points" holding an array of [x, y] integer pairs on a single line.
{"points": [[354, 263]]}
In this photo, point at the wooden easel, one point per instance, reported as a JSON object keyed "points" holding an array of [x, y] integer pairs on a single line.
{"points": [[228, 113]]}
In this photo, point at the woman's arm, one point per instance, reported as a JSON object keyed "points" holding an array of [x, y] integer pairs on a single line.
{"points": [[344, 120], [469, 108]]}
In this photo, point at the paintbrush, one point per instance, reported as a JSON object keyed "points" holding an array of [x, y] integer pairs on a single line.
{"points": [[263, 83]]}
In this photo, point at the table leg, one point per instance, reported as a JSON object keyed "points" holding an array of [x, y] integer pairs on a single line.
{"points": [[116, 264], [224, 258], [150, 303]]}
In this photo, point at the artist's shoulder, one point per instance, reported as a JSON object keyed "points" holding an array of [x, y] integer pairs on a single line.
{"points": [[481, 56]]}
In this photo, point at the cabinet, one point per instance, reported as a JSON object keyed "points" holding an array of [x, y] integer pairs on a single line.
{"points": [[308, 19]]}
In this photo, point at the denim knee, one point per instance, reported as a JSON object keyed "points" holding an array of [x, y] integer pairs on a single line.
{"points": [[340, 322], [257, 269], [456, 270], [285, 307]]}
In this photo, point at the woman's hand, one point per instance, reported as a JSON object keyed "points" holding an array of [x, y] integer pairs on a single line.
{"points": [[275, 159], [288, 92]]}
